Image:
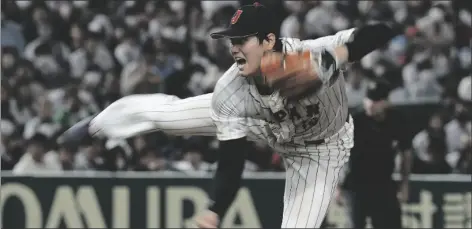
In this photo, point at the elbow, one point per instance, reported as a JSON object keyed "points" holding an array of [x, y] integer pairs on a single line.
{"points": [[366, 39]]}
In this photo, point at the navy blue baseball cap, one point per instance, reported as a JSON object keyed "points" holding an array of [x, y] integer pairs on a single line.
{"points": [[249, 20]]}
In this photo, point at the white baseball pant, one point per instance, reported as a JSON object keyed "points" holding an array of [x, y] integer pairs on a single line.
{"points": [[311, 178], [139, 114]]}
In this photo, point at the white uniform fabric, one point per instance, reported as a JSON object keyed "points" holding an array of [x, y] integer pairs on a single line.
{"points": [[311, 134], [314, 135], [139, 114]]}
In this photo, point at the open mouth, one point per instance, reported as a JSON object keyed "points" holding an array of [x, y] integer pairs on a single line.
{"points": [[240, 61]]}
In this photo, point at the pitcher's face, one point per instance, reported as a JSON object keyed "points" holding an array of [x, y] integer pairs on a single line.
{"points": [[248, 52]]}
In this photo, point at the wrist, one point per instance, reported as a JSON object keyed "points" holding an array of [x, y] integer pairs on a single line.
{"points": [[218, 210]]}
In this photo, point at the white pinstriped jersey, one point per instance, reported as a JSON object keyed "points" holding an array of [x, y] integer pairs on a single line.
{"points": [[236, 109], [239, 110]]}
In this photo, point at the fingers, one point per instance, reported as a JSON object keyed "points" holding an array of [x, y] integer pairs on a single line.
{"points": [[207, 220], [205, 224]]}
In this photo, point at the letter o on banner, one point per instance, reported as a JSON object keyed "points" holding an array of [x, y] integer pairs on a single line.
{"points": [[31, 205]]}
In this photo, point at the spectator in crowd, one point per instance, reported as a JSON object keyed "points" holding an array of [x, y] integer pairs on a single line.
{"points": [[67, 158], [192, 160], [458, 134], [94, 156], [43, 123], [37, 158], [464, 163], [6, 102], [459, 128], [76, 36], [26, 74], [11, 147], [464, 89], [22, 106], [75, 107], [430, 148], [356, 86], [10, 58], [210, 65], [128, 49], [419, 77], [93, 52], [144, 69], [151, 160], [39, 23], [12, 34]]}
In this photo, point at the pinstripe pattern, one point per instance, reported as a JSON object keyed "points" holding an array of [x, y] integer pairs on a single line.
{"points": [[311, 181], [139, 114], [237, 110]]}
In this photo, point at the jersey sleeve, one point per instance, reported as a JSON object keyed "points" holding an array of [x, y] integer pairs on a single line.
{"points": [[228, 127], [331, 41], [322, 49], [226, 108]]}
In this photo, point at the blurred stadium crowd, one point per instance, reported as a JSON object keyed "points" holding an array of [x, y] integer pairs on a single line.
{"points": [[65, 60]]}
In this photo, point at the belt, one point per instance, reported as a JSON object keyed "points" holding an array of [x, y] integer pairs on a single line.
{"points": [[321, 141]]}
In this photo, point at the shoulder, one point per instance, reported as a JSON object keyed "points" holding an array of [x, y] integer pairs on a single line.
{"points": [[23, 164], [130, 67], [79, 53], [420, 136], [120, 48], [30, 48], [13, 25], [451, 125], [229, 92], [229, 78], [51, 158], [228, 85]]}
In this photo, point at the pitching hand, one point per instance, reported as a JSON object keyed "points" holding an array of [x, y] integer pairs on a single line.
{"points": [[208, 219]]}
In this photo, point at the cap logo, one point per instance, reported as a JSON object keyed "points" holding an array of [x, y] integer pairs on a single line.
{"points": [[236, 16]]}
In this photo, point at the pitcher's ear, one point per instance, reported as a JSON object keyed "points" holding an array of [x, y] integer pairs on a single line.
{"points": [[269, 41]]}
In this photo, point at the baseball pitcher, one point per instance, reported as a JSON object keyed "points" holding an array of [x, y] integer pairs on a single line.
{"points": [[285, 92]]}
